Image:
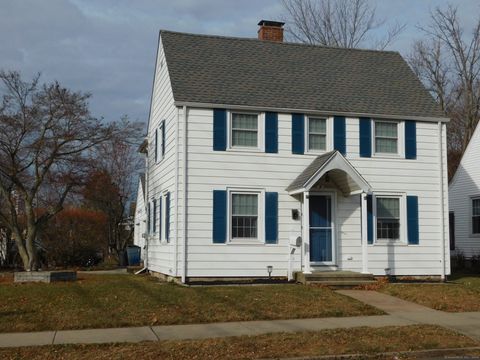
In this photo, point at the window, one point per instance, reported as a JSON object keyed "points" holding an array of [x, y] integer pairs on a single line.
{"points": [[244, 221], [154, 219], [476, 216], [386, 137], [388, 218], [317, 134], [244, 130]]}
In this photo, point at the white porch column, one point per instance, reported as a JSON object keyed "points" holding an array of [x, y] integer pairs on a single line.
{"points": [[364, 234], [306, 233]]}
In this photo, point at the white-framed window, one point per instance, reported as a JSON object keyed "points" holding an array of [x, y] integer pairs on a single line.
{"points": [[388, 138], [318, 134], [246, 215], [475, 216], [245, 131], [390, 217]]}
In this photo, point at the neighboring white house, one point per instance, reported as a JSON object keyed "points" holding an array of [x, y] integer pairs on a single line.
{"points": [[464, 199], [140, 218], [270, 156]]}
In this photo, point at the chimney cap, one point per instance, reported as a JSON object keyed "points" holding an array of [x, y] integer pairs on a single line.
{"points": [[271, 23]]}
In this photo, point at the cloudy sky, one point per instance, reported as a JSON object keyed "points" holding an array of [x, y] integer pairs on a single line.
{"points": [[107, 47]]}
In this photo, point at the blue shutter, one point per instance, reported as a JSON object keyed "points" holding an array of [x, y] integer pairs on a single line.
{"points": [[298, 134], [148, 218], [219, 129], [160, 213], [271, 132], [370, 219], [410, 139], [365, 137], [271, 217], [156, 145], [412, 219], [154, 220], [163, 138], [339, 134], [219, 216], [167, 216]]}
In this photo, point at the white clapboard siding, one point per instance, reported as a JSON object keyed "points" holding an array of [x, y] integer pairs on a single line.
{"points": [[161, 175], [464, 185], [140, 220], [209, 170]]}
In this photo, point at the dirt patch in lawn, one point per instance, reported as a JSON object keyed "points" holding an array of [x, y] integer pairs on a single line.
{"points": [[460, 295], [102, 301], [328, 342]]}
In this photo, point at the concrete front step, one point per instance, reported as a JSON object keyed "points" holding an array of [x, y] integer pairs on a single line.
{"points": [[335, 279]]}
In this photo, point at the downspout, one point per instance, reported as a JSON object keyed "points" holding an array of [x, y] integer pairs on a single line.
{"points": [[177, 163], [442, 200], [184, 207]]}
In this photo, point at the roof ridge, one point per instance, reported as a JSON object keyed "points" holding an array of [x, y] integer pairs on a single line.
{"points": [[279, 43]]}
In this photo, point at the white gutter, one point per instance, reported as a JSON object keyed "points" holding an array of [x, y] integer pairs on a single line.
{"points": [[177, 162], [184, 207], [442, 205], [310, 111]]}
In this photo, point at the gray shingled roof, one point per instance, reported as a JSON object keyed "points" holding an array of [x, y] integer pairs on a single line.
{"points": [[310, 171], [250, 72]]}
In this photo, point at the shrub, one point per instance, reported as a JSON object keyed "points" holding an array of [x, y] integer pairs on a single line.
{"points": [[458, 262]]}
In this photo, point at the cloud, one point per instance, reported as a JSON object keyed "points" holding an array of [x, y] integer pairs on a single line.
{"points": [[108, 47]]}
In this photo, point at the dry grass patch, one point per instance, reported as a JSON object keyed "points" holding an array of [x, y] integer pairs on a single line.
{"points": [[102, 301], [328, 342], [461, 295]]}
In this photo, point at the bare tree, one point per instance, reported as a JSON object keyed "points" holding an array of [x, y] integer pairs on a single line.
{"points": [[111, 186], [447, 60], [46, 133], [341, 23]]}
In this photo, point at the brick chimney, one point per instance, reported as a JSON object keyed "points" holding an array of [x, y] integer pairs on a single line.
{"points": [[270, 30]]}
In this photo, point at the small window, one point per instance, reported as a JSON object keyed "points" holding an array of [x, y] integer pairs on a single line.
{"points": [[317, 134], [476, 216], [244, 130], [388, 218], [244, 216], [386, 137]]}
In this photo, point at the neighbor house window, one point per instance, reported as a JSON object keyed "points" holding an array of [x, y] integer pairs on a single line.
{"points": [[244, 221], [388, 218], [386, 137], [317, 134], [476, 216], [244, 130]]}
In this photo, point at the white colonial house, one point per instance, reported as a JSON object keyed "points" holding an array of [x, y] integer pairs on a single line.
{"points": [[271, 157], [464, 199], [140, 217]]}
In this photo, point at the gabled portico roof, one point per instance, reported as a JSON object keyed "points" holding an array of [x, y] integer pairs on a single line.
{"points": [[343, 174]]}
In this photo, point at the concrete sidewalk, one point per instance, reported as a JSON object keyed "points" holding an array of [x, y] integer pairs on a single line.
{"points": [[194, 331], [400, 313]]}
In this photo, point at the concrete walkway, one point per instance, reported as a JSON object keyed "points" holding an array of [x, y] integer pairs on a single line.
{"points": [[466, 323], [400, 313]]}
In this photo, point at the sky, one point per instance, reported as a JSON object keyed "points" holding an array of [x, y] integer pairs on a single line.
{"points": [[107, 47]]}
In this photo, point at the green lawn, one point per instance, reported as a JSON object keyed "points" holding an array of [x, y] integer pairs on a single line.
{"points": [[327, 342], [460, 294], [101, 301]]}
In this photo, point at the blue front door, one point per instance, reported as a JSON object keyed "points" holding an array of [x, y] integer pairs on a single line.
{"points": [[321, 229]]}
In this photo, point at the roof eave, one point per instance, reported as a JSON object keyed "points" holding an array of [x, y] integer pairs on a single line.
{"points": [[313, 112]]}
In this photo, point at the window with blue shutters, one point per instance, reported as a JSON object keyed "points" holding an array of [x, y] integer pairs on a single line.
{"points": [[298, 133], [410, 139], [340, 134], [365, 130], [271, 132], [245, 216], [219, 129]]}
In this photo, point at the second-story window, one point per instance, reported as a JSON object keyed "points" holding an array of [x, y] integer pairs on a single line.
{"points": [[386, 137], [244, 130], [317, 134]]}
